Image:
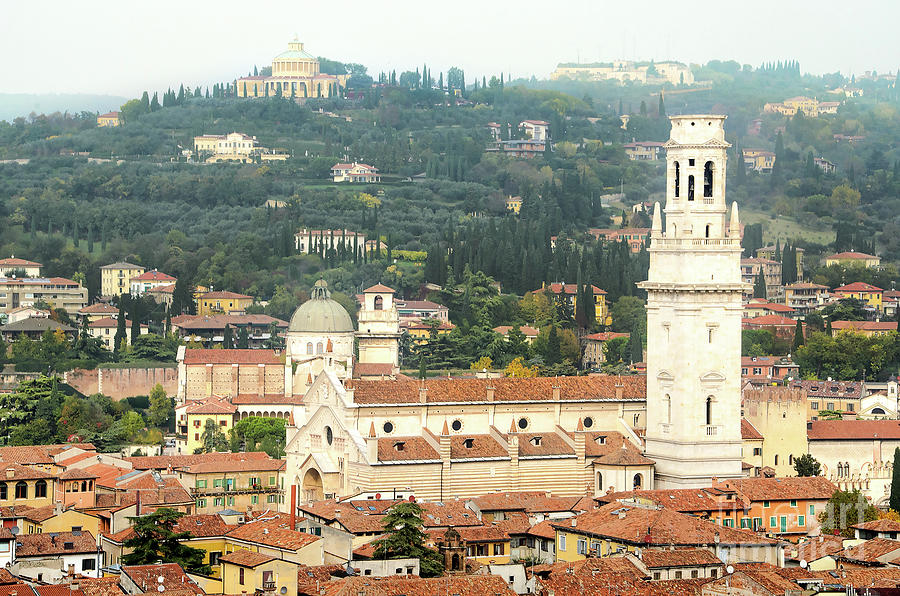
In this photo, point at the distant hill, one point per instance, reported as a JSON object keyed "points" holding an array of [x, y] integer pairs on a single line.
{"points": [[13, 105]]}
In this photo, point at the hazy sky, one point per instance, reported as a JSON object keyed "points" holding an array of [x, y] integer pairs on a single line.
{"points": [[123, 47]]}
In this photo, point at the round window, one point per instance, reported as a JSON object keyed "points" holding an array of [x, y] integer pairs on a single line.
{"points": [[329, 436], [588, 422], [456, 424], [388, 427], [523, 423]]}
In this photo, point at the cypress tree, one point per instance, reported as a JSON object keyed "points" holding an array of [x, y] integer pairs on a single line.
{"points": [[636, 344], [798, 337], [243, 340], [895, 482], [759, 288], [552, 353], [662, 106], [120, 328], [228, 338], [828, 327]]}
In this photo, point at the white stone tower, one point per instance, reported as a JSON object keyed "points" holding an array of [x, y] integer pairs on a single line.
{"points": [[379, 328], [694, 315]]}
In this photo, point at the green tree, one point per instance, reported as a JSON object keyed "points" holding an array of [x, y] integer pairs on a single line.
{"points": [[895, 482], [119, 338], [636, 344], [759, 288], [552, 350], [243, 340], [845, 509], [798, 337], [156, 540], [807, 465], [256, 433], [615, 350], [625, 312], [161, 407], [212, 438], [404, 539], [228, 338]]}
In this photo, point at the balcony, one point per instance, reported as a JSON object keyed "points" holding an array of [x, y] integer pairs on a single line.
{"points": [[712, 430]]}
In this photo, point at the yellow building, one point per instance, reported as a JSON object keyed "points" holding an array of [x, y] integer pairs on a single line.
{"points": [[871, 295], [759, 160], [853, 259], [238, 484], [514, 204], [420, 331], [244, 570], [489, 545], [191, 418], [220, 302], [108, 119], [70, 520], [115, 279], [295, 74], [23, 485], [569, 292], [779, 415]]}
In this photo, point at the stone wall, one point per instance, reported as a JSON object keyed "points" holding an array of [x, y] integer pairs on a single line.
{"points": [[119, 383]]}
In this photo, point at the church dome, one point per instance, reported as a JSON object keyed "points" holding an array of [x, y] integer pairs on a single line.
{"points": [[320, 314]]}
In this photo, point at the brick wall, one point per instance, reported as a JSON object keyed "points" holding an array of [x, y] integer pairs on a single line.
{"points": [[119, 383]]}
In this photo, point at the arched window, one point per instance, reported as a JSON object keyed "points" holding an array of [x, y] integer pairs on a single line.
{"points": [[319, 348], [379, 303], [709, 416], [708, 179], [599, 481], [84, 486], [40, 488], [21, 490], [677, 179], [638, 481], [309, 348], [776, 459], [707, 230], [691, 187]]}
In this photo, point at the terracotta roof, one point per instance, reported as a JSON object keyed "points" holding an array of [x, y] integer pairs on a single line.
{"points": [[372, 369], [146, 577], [224, 295], [584, 388], [468, 585], [57, 590], [851, 255], [749, 432], [55, 543], [879, 525], [770, 321], [844, 389], [246, 558], [815, 548], [202, 525], [558, 288], [236, 464], [527, 501], [852, 430], [100, 586], [13, 471], [236, 356], [439, 514], [14, 262], [681, 557], [782, 489], [78, 474], [405, 449], [483, 533], [605, 336], [864, 325], [39, 514], [476, 446], [166, 289], [871, 551], [525, 329], [216, 322], [310, 577], [773, 306], [272, 532], [543, 530], [380, 289], [629, 524], [153, 275], [210, 405], [98, 308], [685, 500], [121, 265], [161, 462], [804, 285]]}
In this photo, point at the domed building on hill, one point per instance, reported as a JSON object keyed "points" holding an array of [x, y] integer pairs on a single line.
{"points": [[295, 74]]}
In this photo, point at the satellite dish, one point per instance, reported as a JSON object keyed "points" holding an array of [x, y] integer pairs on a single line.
{"points": [[160, 579], [729, 569], [803, 563], [160, 588], [14, 530], [283, 589]]}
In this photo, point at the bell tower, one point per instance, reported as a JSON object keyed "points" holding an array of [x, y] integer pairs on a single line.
{"points": [[694, 314]]}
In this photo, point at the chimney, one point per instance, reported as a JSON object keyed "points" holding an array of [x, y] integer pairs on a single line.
{"points": [[490, 393], [555, 392], [70, 572], [10, 472], [423, 393], [620, 389], [574, 523]]}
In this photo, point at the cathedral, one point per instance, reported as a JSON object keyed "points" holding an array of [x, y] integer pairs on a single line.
{"points": [[357, 426], [295, 74]]}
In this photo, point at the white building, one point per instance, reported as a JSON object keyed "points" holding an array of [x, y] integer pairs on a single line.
{"points": [[694, 315], [13, 265], [536, 130], [150, 280], [379, 330], [354, 172]]}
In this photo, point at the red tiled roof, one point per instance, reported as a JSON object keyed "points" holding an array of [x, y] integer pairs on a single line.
{"points": [[236, 356], [109, 322], [527, 501], [542, 530], [467, 585], [870, 551], [405, 449], [146, 577], [236, 464], [210, 405], [585, 388], [879, 525], [54, 543], [748, 431], [274, 533], [439, 514], [815, 548], [98, 308], [246, 558], [13, 471], [373, 369], [379, 289], [558, 288], [525, 329], [685, 500], [843, 430], [166, 289], [770, 321], [216, 322], [14, 262], [153, 275], [605, 335], [202, 525], [681, 557], [851, 255], [161, 462], [858, 286], [781, 489], [224, 295], [864, 325]]}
